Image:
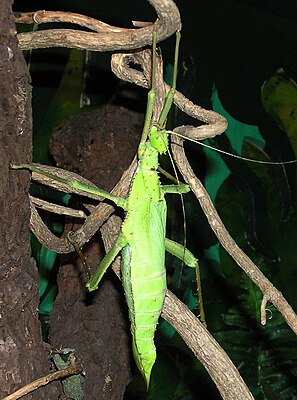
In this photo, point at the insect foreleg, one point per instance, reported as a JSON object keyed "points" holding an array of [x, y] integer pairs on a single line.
{"points": [[70, 183]]}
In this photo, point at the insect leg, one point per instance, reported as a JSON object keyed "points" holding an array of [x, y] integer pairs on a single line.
{"points": [[189, 259], [70, 183], [180, 252], [105, 263], [176, 189]]}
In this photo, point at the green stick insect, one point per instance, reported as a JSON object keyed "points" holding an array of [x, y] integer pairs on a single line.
{"points": [[142, 238]]}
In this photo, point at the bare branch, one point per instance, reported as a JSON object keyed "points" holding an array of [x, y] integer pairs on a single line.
{"points": [[63, 373], [55, 208], [217, 363], [216, 224], [122, 66], [108, 39], [92, 223], [42, 17]]}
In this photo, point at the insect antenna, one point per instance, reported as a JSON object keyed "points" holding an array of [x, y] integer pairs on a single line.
{"points": [[184, 136]]}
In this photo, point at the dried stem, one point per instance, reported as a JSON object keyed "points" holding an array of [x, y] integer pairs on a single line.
{"points": [[216, 224], [57, 209], [43, 17], [63, 373], [104, 37], [92, 223]]}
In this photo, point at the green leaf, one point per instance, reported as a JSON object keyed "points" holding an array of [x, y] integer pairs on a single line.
{"points": [[279, 99], [72, 386]]}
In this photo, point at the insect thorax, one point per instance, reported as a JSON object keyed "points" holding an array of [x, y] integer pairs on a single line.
{"points": [[148, 156]]}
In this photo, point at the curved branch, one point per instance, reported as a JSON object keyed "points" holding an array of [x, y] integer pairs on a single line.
{"points": [[217, 363], [122, 66], [92, 223], [43, 17], [216, 224], [167, 23], [62, 374]]}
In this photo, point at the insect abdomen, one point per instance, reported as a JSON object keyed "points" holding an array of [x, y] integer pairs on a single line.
{"points": [[145, 289]]}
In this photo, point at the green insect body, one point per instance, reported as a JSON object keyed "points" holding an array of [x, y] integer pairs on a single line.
{"points": [[142, 241], [143, 258]]}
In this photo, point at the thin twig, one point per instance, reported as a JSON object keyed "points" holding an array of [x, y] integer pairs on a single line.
{"points": [[43, 17], [263, 310], [57, 209], [63, 373]]}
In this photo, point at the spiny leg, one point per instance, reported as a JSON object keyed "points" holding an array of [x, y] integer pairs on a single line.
{"points": [[80, 254], [93, 283]]}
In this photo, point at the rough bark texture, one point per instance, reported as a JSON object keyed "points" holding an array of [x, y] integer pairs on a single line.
{"points": [[99, 145], [22, 355]]}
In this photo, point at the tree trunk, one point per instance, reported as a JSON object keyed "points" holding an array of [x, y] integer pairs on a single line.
{"points": [[99, 145], [22, 355]]}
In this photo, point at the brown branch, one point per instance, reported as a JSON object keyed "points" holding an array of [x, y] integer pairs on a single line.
{"points": [[91, 224], [167, 23], [217, 363], [43, 17], [63, 373], [122, 66], [216, 224], [57, 209]]}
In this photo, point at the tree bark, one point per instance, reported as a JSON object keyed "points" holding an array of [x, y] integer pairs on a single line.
{"points": [[98, 144], [22, 355]]}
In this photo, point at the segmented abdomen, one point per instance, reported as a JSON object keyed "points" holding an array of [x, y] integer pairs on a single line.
{"points": [[144, 280], [145, 297]]}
